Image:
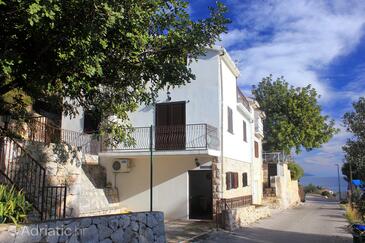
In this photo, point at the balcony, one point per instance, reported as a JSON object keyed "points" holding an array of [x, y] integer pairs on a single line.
{"points": [[241, 99], [259, 128], [171, 138]]}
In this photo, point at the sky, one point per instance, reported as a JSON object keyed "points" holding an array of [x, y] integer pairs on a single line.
{"points": [[317, 42]]}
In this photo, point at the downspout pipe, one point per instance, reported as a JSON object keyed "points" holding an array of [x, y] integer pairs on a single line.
{"points": [[222, 53]]}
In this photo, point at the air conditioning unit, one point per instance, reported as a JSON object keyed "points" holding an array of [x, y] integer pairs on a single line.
{"points": [[122, 166]]}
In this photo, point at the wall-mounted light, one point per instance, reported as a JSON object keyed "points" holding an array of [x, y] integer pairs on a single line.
{"points": [[197, 163], [168, 96]]}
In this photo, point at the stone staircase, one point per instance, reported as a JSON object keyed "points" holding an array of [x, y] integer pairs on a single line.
{"points": [[269, 192], [96, 197]]}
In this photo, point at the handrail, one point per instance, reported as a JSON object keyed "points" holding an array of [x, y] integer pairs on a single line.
{"points": [[20, 169]]}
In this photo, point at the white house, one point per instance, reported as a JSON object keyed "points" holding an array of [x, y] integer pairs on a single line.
{"points": [[204, 139]]}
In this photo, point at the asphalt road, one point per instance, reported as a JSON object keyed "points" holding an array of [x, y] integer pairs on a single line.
{"points": [[317, 220]]}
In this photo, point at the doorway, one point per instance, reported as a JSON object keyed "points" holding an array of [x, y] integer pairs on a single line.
{"points": [[200, 194], [170, 126]]}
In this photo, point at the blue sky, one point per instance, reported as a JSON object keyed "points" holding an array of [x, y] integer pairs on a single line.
{"points": [[315, 42]]}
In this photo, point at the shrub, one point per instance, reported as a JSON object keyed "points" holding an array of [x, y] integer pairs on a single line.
{"points": [[13, 206], [296, 171], [352, 215], [311, 189], [326, 194]]}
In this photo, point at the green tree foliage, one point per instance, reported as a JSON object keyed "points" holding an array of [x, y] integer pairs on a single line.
{"points": [[355, 147], [311, 188], [294, 118], [106, 56], [296, 171]]}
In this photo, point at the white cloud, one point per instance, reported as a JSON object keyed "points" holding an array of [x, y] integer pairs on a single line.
{"points": [[302, 37], [232, 38]]}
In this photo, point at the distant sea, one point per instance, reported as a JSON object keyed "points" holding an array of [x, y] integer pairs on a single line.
{"points": [[326, 182]]}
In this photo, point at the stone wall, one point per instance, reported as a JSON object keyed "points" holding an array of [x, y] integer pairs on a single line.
{"points": [[244, 216], [287, 190], [250, 214], [143, 227], [87, 194]]}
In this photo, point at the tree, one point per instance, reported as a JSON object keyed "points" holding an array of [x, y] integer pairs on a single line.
{"points": [[296, 171], [354, 148], [294, 118], [105, 56]]}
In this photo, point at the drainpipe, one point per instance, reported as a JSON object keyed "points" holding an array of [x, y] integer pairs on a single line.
{"points": [[221, 116]]}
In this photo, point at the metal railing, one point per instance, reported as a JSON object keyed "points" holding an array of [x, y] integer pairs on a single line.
{"points": [[185, 137], [276, 157], [20, 169], [227, 204], [39, 129], [241, 98], [192, 136]]}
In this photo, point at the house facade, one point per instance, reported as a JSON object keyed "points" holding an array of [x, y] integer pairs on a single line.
{"points": [[203, 141]]}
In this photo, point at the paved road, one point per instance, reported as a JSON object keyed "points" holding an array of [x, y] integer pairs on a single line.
{"points": [[318, 220]]}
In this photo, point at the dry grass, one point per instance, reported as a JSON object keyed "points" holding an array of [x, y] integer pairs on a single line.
{"points": [[352, 215]]}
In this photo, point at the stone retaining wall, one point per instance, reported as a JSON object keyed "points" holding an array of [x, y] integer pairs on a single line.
{"points": [[143, 227]]}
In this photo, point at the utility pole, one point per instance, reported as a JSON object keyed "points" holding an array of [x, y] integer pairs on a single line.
{"points": [[339, 182], [151, 168], [350, 198]]}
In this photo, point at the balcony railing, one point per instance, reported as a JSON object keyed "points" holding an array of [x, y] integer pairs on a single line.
{"points": [[185, 137], [276, 157], [241, 98], [259, 128]]}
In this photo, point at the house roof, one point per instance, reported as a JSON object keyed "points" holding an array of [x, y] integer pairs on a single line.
{"points": [[227, 59]]}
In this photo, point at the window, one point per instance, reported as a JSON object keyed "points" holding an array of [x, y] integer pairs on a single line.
{"points": [[230, 120], [231, 180], [244, 180], [91, 122], [244, 131], [256, 149]]}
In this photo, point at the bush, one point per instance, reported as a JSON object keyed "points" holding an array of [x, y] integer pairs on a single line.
{"points": [[353, 215], [311, 189], [296, 171], [326, 194], [13, 206]]}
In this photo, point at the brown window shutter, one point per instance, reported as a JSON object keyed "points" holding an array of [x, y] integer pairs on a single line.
{"points": [[244, 180], [256, 149], [228, 180], [235, 176]]}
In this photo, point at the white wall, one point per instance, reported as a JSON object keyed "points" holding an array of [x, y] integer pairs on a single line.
{"points": [[171, 183], [233, 145], [202, 96], [74, 123]]}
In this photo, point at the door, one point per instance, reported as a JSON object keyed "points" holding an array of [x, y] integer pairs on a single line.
{"points": [[200, 194], [170, 126], [272, 171]]}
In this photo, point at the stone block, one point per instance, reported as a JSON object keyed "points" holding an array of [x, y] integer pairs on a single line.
{"points": [[104, 231], [85, 222], [141, 217], [151, 221], [114, 223], [90, 234], [118, 236], [134, 226]]}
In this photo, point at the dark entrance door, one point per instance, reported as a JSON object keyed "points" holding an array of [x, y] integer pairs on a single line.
{"points": [[170, 126], [272, 171], [200, 194]]}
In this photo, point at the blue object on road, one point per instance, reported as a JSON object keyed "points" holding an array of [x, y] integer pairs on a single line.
{"points": [[358, 233], [359, 227]]}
